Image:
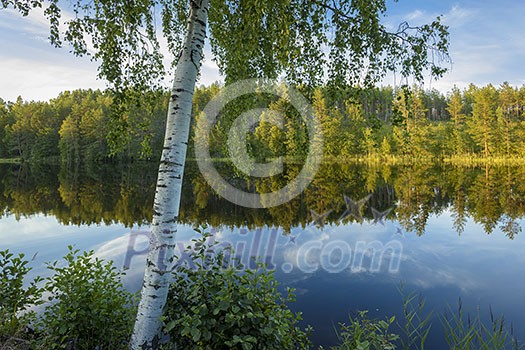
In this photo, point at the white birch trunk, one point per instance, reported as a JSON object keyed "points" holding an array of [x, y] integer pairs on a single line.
{"points": [[161, 256]]}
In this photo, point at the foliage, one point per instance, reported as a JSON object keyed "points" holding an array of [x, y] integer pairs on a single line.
{"points": [[311, 42], [461, 331], [365, 334], [15, 299], [275, 37], [89, 307], [416, 324], [464, 332], [477, 124], [482, 125], [74, 128], [215, 305]]}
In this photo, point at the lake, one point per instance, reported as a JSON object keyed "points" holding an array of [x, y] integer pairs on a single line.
{"points": [[359, 237]]}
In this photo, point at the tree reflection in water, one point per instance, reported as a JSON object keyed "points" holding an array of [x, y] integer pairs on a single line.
{"points": [[493, 196]]}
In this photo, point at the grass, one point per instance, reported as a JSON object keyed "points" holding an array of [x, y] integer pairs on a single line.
{"points": [[469, 332], [468, 160], [462, 331], [476, 160]]}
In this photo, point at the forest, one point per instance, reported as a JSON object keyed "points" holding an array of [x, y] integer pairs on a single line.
{"points": [[382, 124]]}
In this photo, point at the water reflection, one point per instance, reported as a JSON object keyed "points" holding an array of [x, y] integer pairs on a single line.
{"points": [[428, 223], [95, 194], [340, 194]]}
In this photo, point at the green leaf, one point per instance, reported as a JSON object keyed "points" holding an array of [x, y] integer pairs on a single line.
{"points": [[195, 334]]}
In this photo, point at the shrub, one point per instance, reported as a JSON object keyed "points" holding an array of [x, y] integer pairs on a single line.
{"points": [[365, 334], [15, 300], [89, 307], [216, 306]]}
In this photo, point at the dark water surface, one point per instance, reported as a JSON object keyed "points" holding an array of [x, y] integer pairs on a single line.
{"points": [[441, 231]]}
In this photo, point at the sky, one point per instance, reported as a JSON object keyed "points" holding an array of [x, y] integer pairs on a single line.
{"points": [[487, 45]]}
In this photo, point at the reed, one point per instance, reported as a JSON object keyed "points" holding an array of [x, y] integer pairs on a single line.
{"points": [[464, 331]]}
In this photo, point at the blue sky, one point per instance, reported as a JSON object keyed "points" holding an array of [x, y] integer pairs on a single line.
{"points": [[487, 46]]}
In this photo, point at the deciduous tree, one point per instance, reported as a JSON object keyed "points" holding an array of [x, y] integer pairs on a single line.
{"points": [[311, 41]]}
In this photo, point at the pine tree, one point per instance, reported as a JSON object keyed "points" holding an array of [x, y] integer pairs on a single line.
{"points": [[330, 125], [483, 123], [455, 109], [385, 149], [418, 134], [5, 121], [507, 114], [354, 129]]}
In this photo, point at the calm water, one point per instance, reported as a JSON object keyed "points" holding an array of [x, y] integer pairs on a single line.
{"points": [[440, 231]]}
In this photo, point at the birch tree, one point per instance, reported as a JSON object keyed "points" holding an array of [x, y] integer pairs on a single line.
{"points": [[310, 42]]}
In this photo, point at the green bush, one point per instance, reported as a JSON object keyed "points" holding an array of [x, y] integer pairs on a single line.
{"points": [[216, 306], [89, 308], [365, 334], [15, 300]]}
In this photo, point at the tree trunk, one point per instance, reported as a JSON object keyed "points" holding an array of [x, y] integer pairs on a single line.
{"points": [[485, 137], [161, 256]]}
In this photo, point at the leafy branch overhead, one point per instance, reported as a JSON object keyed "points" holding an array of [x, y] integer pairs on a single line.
{"points": [[310, 41], [362, 49]]}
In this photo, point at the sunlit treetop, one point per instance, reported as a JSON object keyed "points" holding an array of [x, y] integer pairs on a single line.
{"points": [[338, 43]]}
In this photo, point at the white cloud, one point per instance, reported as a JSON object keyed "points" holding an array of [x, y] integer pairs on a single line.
{"points": [[459, 16], [34, 23], [35, 80], [35, 70], [455, 17], [472, 64], [482, 47], [31, 67], [27, 228], [415, 15], [486, 45]]}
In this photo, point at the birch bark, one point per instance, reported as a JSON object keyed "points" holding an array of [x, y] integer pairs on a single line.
{"points": [[160, 259]]}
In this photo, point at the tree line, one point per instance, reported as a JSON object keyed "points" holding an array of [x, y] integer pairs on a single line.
{"points": [[381, 123], [75, 128], [405, 123]]}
